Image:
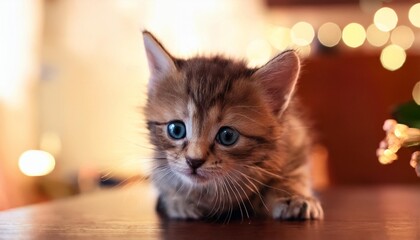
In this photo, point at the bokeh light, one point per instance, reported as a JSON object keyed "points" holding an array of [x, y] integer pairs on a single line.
{"points": [[393, 57], [385, 19], [376, 37], [414, 15], [36, 163], [258, 52], [402, 36], [354, 35], [302, 33], [416, 93], [329, 34], [304, 51], [280, 38]]}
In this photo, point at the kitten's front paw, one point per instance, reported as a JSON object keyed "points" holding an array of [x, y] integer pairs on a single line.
{"points": [[297, 208]]}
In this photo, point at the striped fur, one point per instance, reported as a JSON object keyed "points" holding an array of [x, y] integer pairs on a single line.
{"points": [[265, 173]]}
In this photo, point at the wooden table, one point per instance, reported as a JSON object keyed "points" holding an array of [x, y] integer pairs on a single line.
{"points": [[128, 213]]}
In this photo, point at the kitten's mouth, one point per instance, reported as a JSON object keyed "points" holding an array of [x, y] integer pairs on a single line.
{"points": [[196, 175]]}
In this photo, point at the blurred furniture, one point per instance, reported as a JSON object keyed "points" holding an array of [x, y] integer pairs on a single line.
{"points": [[128, 213]]}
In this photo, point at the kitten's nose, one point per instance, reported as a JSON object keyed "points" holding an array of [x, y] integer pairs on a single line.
{"points": [[194, 163]]}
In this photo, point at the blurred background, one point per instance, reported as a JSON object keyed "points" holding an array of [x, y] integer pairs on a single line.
{"points": [[73, 77]]}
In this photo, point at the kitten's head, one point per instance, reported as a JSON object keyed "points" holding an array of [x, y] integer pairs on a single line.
{"points": [[211, 117]]}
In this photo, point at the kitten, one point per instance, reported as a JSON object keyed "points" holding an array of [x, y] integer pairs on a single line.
{"points": [[228, 139]]}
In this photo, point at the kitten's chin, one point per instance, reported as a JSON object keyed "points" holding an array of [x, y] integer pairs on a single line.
{"points": [[195, 177]]}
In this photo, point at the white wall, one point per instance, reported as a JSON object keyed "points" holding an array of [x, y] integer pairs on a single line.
{"points": [[96, 72], [20, 22]]}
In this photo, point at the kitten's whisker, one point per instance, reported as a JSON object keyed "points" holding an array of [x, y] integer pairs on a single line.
{"points": [[266, 172], [215, 211], [226, 198], [128, 182], [199, 197], [211, 213], [220, 199], [186, 196], [265, 169], [161, 169], [252, 120], [139, 161], [255, 190], [237, 196], [234, 182], [268, 186], [178, 189], [160, 176], [224, 186], [108, 175], [148, 147], [238, 181]]}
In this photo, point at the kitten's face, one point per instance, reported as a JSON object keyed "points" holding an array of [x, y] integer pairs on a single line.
{"points": [[209, 119], [213, 118]]}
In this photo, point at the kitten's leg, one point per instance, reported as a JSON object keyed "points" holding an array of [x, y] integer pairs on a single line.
{"points": [[177, 207], [295, 200]]}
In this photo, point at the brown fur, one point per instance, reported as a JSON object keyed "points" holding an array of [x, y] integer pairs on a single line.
{"points": [[263, 173]]}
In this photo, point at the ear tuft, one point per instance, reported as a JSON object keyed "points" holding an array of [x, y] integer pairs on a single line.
{"points": [[278, 78], [159, 60]]}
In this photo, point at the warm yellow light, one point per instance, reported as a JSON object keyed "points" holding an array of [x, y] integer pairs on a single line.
{"points": [[354, 35], [280, 38], [385, 19], [402, 36], [415, 161], [414, 15], [384, 160], [258, 52], [390, 154], [18, 55], [302, 33], [416, 93], [393, 57], [36, 163], [304, 51], [329, 34], [376, 37]]}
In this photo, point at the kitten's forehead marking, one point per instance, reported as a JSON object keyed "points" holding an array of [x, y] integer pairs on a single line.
{"points": [[189, 123], [196, 146], [202, 121]]}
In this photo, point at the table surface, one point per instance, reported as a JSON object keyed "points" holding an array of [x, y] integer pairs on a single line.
{"points": [[128, 213]]}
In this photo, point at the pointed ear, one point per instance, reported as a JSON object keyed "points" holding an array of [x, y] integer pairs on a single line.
{"points": [[278, 78], [159, 60]]}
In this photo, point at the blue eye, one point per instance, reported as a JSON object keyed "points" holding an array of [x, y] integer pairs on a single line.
{"points": [[227, 136], [176, 129]]}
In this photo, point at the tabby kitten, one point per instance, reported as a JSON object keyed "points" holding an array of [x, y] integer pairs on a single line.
{"points": [[228, 139]]}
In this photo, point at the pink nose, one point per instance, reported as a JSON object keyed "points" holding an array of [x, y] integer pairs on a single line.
{"points": [[194, 163]]}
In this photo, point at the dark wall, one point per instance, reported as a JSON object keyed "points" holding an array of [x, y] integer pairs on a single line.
{"points": [[349, 97]]}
